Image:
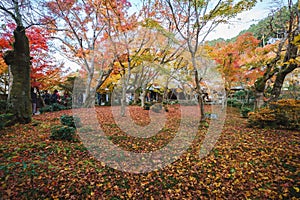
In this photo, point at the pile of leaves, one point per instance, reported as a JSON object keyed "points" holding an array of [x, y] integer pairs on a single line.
{"points": [[281, 114], [245, 163]]}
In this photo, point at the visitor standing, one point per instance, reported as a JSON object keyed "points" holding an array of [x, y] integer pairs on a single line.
{"points": [[55, 98], [46, 96], [33, 101]]}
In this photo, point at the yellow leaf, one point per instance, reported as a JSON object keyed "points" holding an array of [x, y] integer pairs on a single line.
{"points": [[217, 184], [248, 194], [236, 181], [129, 194], [296, 188], [215, 191]]}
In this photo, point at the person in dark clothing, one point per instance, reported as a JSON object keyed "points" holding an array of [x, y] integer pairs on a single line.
{"points": [[46, 96], [55, 98], [65, 98]]}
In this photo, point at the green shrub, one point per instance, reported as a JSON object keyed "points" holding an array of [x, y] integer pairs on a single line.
{"points": [[147, 106], [170, 102], [69, 120], [107, 104], [47, 108], [67, 102], [280, 114], [234, 103], [174, 102], [61, 132], [58, 107], [245, 111], [52, 108], [240, 94], [5, 119]]}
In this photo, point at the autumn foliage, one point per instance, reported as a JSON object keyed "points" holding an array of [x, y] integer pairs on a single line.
{"points": [[281, 114], [233, 58], [45, 159], [245, 163], [45, 72]]}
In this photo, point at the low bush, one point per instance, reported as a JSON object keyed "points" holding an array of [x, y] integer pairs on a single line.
{"points": [[107, 104], [44, 109], [245, 110], [69, 120], [52, 108], [67, 102], [170, 102], [234, 103], [147, 105], [62, 132], [58, 107], [280, 114]]}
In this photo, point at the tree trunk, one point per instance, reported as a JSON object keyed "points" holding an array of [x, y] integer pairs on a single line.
{"points": [[18, 60], [260, 85], [276, 90], [259, 100], [202, 111], [198, 90], [136, 96], [165, 94], [143, 96], [89, 101], [123, 99]]}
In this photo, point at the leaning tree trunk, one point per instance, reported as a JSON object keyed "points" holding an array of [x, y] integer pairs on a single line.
{"points": [[260, 85], [276, 90], [19, 100], [290, 56]]}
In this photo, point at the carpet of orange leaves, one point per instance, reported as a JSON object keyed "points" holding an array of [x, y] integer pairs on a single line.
{"points": [[245, 163]]}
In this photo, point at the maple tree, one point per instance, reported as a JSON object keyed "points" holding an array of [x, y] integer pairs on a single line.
{"points": [[286, 55], [232, 58], [4, 45], [18, 61], [121, 35], [79, 27], [144, 75], [45, 72], [158, 61], [193, 21], [142, 48]]}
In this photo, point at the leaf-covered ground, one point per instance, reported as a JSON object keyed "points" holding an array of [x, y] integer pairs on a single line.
{"points": [[245, 163]]}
